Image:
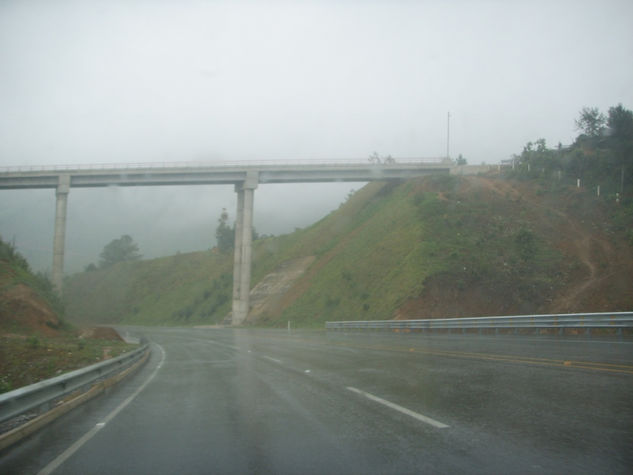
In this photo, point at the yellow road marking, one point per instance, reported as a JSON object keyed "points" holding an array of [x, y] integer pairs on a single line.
{"points": [[590, 365]]}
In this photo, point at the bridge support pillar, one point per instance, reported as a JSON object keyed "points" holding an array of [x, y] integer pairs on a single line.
{"points": [[59, 237], [243, 248]]}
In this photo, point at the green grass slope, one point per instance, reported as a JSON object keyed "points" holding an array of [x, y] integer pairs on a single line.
{"points": [[179, 290], [391, 240], [439, 246]]}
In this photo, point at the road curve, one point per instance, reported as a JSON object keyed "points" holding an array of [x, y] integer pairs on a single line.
{"points": [[263, 401]]}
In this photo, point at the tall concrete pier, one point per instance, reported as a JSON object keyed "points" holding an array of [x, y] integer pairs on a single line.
{"points": [[243, 247], [59, 238]]}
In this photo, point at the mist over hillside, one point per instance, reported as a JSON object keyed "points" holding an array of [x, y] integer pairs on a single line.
{"points": [[162, 220]]}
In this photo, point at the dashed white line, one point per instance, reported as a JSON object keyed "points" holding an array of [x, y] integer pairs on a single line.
{"points": [[403, 410], [272, 359], [61, 458]]}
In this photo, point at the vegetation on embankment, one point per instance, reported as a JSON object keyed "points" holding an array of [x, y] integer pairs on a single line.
{"points": [[25, 297], [35, 341], [439, 246], [26, 360]]}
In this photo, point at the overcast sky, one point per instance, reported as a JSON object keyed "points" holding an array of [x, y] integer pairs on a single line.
{"points": [[154, 81]]}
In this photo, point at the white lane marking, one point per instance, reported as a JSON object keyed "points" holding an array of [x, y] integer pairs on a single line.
{"points": [[61, 458], [403, 410], [307, 371], [272, 359]]}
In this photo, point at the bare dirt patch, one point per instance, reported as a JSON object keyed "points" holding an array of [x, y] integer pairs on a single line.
{"points": [[36, 345], [267, 294], [21, 309], [100, 333]]}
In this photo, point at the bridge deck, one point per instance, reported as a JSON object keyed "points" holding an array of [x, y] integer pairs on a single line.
{"points": [[81, 176]]}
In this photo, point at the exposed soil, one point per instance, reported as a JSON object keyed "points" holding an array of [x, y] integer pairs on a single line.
{"points": [[35, 345], [100, 333], [22, 310], [265, 297]]}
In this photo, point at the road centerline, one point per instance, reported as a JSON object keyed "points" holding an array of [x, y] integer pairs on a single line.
{"points": [[401, 409]]}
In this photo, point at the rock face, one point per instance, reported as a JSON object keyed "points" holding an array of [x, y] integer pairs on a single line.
{"points": [[268, 292]]}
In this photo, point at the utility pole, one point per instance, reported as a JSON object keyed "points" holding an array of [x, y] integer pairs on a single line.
{"points": [[448, 135]]}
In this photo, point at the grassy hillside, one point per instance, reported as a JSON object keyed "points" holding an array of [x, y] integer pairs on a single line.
{"points": [[391, 240], [181, 289], [439, 246]]}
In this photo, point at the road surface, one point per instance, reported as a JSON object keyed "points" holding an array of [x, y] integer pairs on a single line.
{"points": [[264, 401]]}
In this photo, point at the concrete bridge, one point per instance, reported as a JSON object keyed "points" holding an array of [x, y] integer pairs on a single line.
{"points": [[246, 176]]}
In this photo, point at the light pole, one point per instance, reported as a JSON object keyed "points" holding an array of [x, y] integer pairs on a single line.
{"points": [[448, 136]]}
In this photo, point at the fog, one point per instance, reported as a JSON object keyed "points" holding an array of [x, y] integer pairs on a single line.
{"points": [[160, 81]]}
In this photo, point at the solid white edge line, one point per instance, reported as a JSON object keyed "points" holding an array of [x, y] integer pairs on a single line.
{"points": [[403, 410], [61, 458]]}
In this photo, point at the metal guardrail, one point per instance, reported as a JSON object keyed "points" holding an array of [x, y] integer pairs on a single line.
{"points": [[39, 396], [218, 164], [587, 321]]}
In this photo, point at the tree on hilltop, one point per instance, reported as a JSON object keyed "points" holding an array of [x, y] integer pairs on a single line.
{"points": [[591, 121], [224, 234], [119, 250]]}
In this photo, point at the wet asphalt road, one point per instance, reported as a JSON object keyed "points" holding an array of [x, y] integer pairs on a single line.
{"points": [[255, 401]]}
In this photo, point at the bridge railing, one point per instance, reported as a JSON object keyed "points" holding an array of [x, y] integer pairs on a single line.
{"points": [[40, 396], [586, 321], [218, 164]]}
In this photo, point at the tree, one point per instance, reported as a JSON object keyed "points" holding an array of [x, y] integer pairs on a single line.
{"points": [[374, 158], [591, 122], [620, 122], [461, 160], [119, 250], [224, 234]]}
